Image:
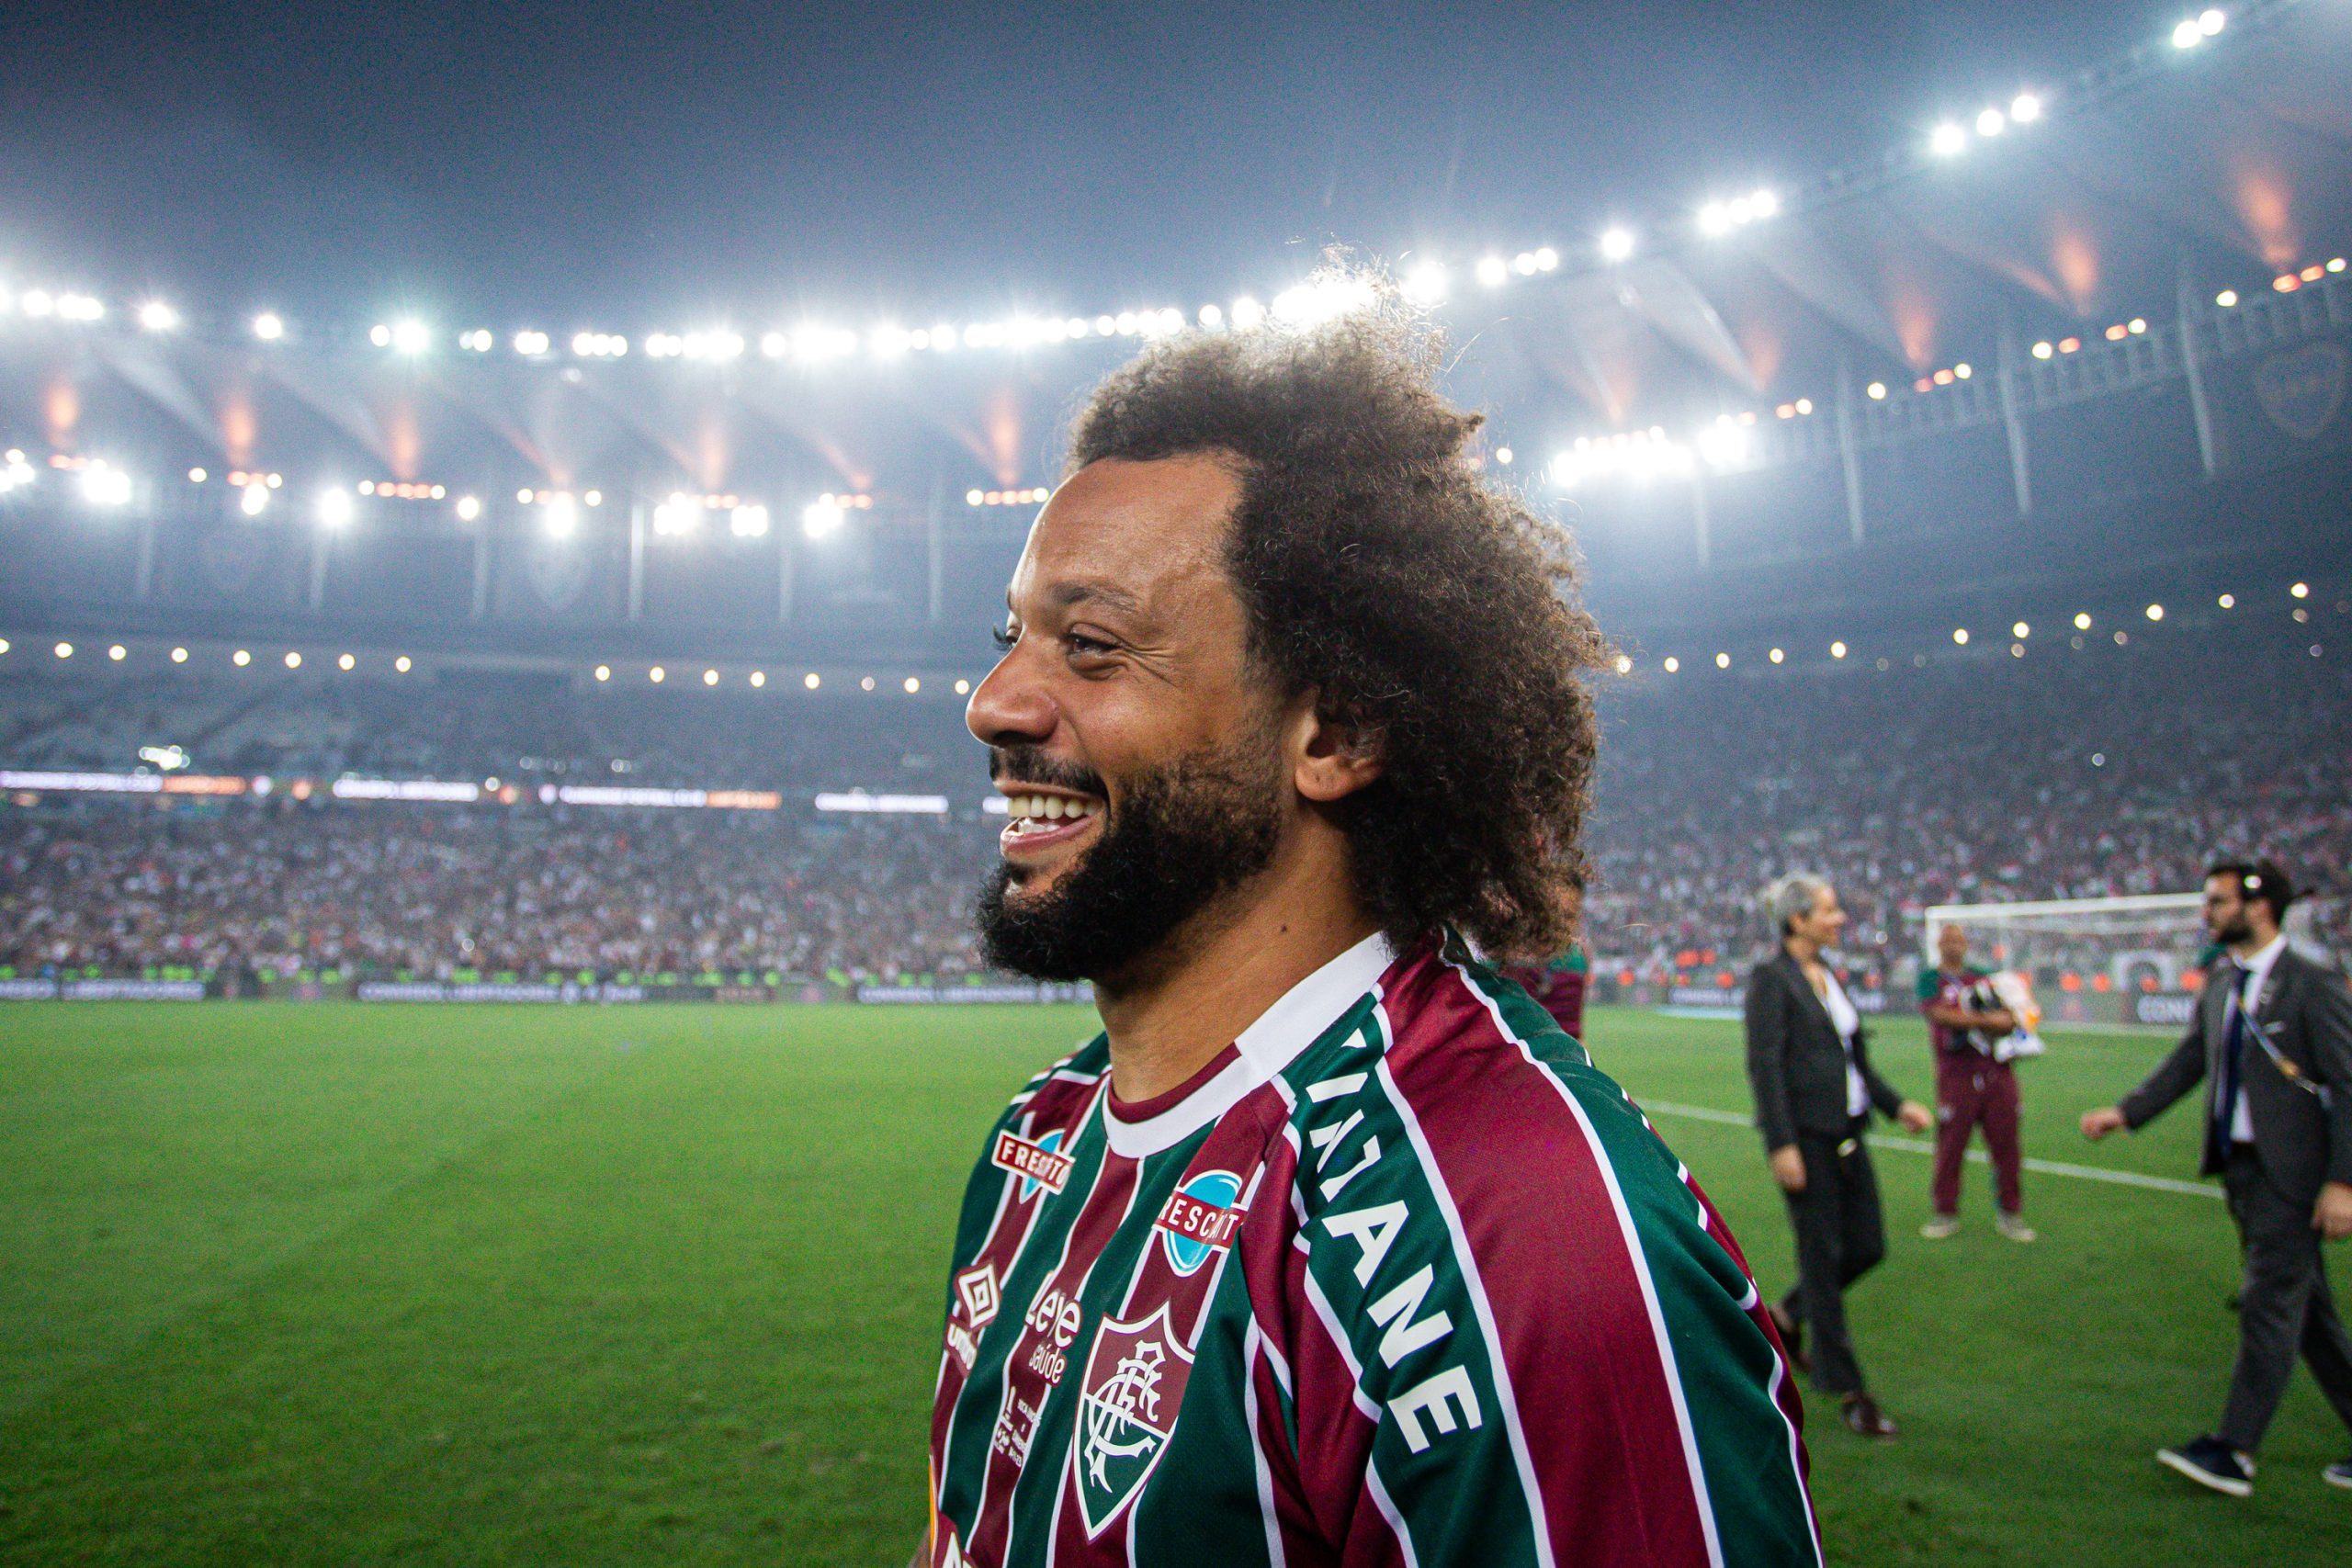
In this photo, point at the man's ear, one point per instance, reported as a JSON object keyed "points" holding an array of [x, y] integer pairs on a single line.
{"points": [[1332, 756]]}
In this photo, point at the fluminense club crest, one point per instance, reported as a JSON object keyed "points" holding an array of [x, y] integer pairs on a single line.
{"points": [[1134, 1381]]}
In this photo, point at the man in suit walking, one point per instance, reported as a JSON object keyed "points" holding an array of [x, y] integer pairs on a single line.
{"points": [[2273, 1039], [1808, 1062]]}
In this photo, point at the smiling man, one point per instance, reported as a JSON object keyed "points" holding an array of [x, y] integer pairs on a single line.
{"points": [[1331, 1248]]}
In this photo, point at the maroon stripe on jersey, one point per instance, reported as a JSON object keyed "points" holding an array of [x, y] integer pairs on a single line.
{"points": [[1106, 1209], [1237, 1144], [1573, 1323], [1008, 1232]]}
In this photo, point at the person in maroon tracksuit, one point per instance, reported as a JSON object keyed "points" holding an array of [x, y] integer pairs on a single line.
{"points": [[1972, 1089]]}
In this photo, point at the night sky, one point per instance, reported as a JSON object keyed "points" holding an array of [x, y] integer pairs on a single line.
{"points": [[643, 165]]}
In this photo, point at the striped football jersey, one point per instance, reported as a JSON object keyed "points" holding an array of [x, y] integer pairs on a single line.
{"points": [[1398, 1278]]}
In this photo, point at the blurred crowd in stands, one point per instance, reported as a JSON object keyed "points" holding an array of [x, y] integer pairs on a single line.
{"points": [[1970, 780]]}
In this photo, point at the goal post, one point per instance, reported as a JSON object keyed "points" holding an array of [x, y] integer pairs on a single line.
{"points": [[2128, 959]]}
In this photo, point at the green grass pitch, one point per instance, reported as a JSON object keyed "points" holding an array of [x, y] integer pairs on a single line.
{"points": [[341, 1284]]}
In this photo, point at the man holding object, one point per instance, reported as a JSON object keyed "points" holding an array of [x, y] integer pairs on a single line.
{"points": [[2273, 1038]]}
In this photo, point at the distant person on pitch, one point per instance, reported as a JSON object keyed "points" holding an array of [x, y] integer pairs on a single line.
{"points": [[1558, 983], [2273, 1040], [1973, 1088], [1330, 1249], [1808, 1062]]}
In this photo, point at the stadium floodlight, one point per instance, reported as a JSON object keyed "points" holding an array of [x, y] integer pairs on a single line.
{"points": [[821, 518], [347, 662], [1426, 284], [604, 672], [963, 688], [1672, 664], [380, 336], [1837, 650], [241, 658], [2299, 590], [179, 656], [64, 651], [2227, 299], [2083, 621], [334, 507], [2020, 631], [1991, 123], [105, 485], [2155, 612], [1723, 661], [811, 681], [37, 302], [1248, 312], [914, 685], [118, 653], [2211, 20], [1546, 259], [560, 517], [1624, 665], [468, 508], [2229, 601], [402, 664], [657, 674], [1212, 316], [1716, 218], [1503, 456], [710, 677], [1960, 636], [530, 344], [1947, 141], [1309, 304], [1776, 656], [1877, 391], [411, 336], [80, 308], [749, 521], [255, 499], [1524, 263], [2025, 108], [758, 677], [158, 317], [1493, 271], [293, 659], [269, 326], [1617, 244]]}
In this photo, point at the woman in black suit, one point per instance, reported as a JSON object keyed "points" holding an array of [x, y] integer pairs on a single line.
{"points": [[1808, 1061]]}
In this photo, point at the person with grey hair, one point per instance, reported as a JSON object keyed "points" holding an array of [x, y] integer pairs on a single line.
{"points": [[1808, 1061]]}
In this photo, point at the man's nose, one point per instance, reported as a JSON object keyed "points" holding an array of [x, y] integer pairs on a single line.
{"points": [[1011, 706]]}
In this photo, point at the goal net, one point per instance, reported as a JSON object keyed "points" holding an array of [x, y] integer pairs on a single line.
{"points": [[2122, 960]]}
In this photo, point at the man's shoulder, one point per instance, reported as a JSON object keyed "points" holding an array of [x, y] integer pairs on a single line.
{"points": [[1070, 1082]]}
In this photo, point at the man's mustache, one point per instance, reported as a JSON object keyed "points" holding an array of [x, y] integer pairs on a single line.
{"points": [[1030, 765]]}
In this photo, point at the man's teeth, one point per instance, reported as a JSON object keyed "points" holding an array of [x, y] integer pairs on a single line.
{"points": [[1049, 808]]}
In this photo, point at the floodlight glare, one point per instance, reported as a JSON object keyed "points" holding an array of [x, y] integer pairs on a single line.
{"points": [[105, 485], [560, 517], [1425, 285], [410, 337], [2211, 21], [821, 517], [749, 521], [1617, 244], [468, 508], [1948, 140], [334, 507], [158, 317], [2025, 108], [255, 499], [1992, 122], [1493, 271], [1765, 203], [2187, 34], [1715, 219]]}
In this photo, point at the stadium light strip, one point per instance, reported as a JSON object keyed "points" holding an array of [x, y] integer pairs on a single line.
{"points": [[1428, 282]]}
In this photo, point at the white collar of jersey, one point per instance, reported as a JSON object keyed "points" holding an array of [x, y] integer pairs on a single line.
{"points": [[1296, 1021]]}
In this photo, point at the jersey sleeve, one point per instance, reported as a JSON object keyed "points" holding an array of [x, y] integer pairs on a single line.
{"points": [[1551, 1353], [1927, 989]]}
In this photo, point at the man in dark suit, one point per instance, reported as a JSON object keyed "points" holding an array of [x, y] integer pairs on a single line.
{"points": [[2273, 1040], [1808, 1062]]}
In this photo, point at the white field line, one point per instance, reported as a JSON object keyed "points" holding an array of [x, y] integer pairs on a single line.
{"points": [[1916, 1147]]}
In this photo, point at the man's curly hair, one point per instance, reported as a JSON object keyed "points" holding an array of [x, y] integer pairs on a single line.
{"points": [[1428, 610]]}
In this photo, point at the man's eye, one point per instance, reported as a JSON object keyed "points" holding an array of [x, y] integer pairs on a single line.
{"points": [[1081, 643], [1004, 637]]}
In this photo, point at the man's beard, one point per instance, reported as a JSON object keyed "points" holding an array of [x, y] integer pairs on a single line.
{"points": [[1182, 835], [2236, 929]]}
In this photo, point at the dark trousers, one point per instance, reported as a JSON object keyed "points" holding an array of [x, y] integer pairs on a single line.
{"points": [[1840, 1237], [2286, 1306], [1974, 1091]]}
